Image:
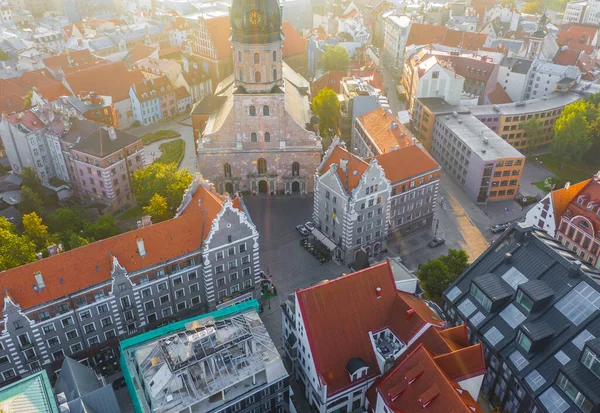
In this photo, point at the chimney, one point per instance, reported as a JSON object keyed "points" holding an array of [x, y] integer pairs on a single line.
{"points": [[39, 281], [112, 135], [185, 64], [141, 249], [508, 258], [409, 313], [93, 98], [378, 292], [574, 269]]}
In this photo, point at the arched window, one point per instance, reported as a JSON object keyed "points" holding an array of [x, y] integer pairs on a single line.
{"points": [[257, 77], [267, 137], [274, 55], [227, 170], [256, 58], [241, 75], [252, 111], [266, 110], [239, 55], [295, 169], [262, 166], [274, 75], [253, 137]]}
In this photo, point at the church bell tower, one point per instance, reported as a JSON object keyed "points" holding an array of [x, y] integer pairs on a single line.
{"points": [[256, 39]]}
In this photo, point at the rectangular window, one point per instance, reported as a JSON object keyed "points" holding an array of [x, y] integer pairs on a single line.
{"points": [[89, 328], [192, 276], [149, 305], [481, 297], [57, 355], [232, 264], [76, 347], [179, 293], [181, 306], [71, 334], [147, 292], [44, 315], [93, 340], [167, 312], [524, 341], [164, 299], [54, 341], [106, 322], [177, 281], [219, 269], [591, 361], [48, 329], [525, 301], [573, 393], [162, 286], [67, 321]]}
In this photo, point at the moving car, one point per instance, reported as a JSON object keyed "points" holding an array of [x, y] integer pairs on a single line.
{"points": [[118, 383], [436, 242], [302, 230], [309, 225], [496, 229]]}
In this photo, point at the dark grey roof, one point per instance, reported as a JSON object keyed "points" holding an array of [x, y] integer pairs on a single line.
{"points": [[493, 286], [102, 400], [549, 269], [208, 105], [12, 214], [75, 380], [517, 65], [95, 138], [355, 364]]}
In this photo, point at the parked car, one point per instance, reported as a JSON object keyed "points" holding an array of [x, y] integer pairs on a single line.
{"points": [[118, 383], [302, 230], [496, 229], [309, 225], [437, 241]]}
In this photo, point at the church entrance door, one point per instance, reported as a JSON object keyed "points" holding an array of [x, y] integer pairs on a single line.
{"points": [[229, 188], [262, 187], [295, 187]]}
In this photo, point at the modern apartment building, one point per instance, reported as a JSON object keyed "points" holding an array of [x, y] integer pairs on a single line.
{"points": [[350, 339], [534, 306], [579, 228], [582, 12], [397, 29], [80, 303], [487, 167], [223, 361]]}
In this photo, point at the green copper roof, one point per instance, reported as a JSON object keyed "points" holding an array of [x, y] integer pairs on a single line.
{"points": [[32, 394]]}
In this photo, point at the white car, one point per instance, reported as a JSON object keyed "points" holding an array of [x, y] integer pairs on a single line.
{"points": [[302, 230], [309, 225]]}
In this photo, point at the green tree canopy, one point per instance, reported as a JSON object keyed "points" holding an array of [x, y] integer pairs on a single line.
{"points": [[327, 106], [571, 136], [15, 249], [104, 227], [36, 231], [534, 131], [157, 207], [31, 179], [437, 275], [30, 202], [335, 58], [4, 56], [162, 179]]}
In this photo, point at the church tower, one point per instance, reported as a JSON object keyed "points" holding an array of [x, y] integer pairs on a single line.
{"points": [[256, 39]]}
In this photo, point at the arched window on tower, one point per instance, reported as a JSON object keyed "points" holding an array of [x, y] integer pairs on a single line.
{"points": [[267, 137], [252, 111], [274, 75], [227, 170], [257, 77], [266, 110], [253, 137], [261, 165], [295, 169], [239, 55], [241, 75], [274, 55], [256, 58]]}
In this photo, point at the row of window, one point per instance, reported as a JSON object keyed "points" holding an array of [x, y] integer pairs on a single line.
{"points": [[256, 56]]}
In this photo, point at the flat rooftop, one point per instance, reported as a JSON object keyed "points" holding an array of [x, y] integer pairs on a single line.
{"points": [[554, 100], [209, 363], [478, 137]]}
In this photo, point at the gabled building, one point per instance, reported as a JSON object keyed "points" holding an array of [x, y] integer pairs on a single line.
{"points": [[352, 340], [534, 306], [579, 228], [194, 79], [152, 100], [79, 303], [548, 212], [379, 132], [31, 394]]}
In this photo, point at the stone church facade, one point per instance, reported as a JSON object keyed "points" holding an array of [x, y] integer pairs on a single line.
{"points": [[256, 133]]}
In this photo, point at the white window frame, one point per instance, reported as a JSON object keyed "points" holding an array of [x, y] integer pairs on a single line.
{"points": [[153, 305], [84, 326], [81, 313], [195, 298], [51, 325], [56, 358], [180, 304], [151, 314], [106, 332], [237, 289], [182, 293], [223, 293], [169, 308], [74, 344], [76, 334], [195, 284], [102, 312], [53, 338], [91, 338], [161, 297], [102, 321]]}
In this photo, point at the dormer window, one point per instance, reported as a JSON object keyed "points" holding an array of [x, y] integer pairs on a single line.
{"points": [[357, 368], [591, 206], [524, 341], [525, 301], [533, 336], [574, 393], [144, 95], [534, 295], [153, 92], [580, 200], [481, 297], [591, 360]]}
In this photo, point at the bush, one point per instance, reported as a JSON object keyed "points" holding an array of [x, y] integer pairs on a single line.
{"points": [[135, 124], [172, 152], [159, 135]]}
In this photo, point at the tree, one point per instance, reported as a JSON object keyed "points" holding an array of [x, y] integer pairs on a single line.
{"points": [[335, 58], [30, 202], [67, 220], [571, 138], [327, 106], [437, 275], [103, 227], [74, 241], [157, 207], [162, 179], [28, 98], [31, 180], [4, 56], [35, 230], [15, 249], [534, 132], [533, 7]]}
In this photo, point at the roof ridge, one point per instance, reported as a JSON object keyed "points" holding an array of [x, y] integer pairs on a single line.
{"points": [[327, 282]]}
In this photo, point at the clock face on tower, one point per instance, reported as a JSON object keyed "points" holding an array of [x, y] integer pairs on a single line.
{"points": [[255, 17]]}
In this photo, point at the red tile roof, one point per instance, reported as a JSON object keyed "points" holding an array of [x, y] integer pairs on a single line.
{"points": [[109, 80], [26, 118], [423, 34], [53, 92], [498, 95], [293, 42], [86, 266], [9, 88], [577, 37], [561, 198], [78, 57], [405, 163], [590, 194], [567, 57], [36, 78], [12, 103], [463, 363], [385, 130], [419, 384], [140, 51], [354, 164], [181, 93], [339, 314], [159, 85], [330, 79]]}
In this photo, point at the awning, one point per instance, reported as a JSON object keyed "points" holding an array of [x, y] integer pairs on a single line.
{"points": [[324, 240]]}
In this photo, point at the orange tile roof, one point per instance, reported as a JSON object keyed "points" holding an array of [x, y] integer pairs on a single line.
{"points": [[354, 164], [561, 198], [140, 51], [385, 130], [425, 34], [53, 92], [591, 192], [498, 95], [10, 88], [10, 103], [78, 57], [406, 163], [36, 78], [339, 314], [577, 37], [181, 93], [26, 118], [84, 267], [109, 80], [463, 363], [293, 42], [567, 57], [220, 29], [418, 384], [160, 85]]}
